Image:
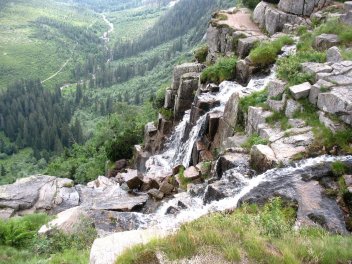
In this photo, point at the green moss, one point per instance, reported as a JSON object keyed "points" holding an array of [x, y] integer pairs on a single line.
{"points": [[223, 69]]}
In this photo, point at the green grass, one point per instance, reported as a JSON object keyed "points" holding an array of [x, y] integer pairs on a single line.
{"points": [[254, 234], [254, 99], [338, 168], [266, 53], [201, 53], [223, 69], [324, 138], [289, 68], [20, 242], [254, 139], [278, 117]]}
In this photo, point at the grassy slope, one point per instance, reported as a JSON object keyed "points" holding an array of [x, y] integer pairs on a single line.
{"points": [[252, 235], [23, 55]]}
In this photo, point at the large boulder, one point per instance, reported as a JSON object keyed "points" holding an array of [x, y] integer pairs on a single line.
{"points": [[300, 91], [65, 221], [105, 250], [325, 41], [276, 88], [338, 101], [262, 158], [39, 193], [302, 7], [256, 117], [185, 93], [334, 55]]}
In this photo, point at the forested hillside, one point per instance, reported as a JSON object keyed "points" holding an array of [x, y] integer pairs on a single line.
{"points": [[100, 75]]}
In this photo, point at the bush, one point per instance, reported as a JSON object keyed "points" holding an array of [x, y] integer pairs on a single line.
{"points": [[266, 53], [330, 27], [223, 69], [201, 54]]}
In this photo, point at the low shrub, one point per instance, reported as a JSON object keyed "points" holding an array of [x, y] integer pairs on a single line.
{"points": [[266, 52], [338, 168], [201, 54], [223, 69]]}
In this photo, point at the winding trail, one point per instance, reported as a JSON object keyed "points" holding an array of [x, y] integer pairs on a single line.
{"points": [[56, 73]]}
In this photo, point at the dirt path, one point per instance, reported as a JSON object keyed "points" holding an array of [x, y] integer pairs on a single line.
{"points": [[241, 20], [56, 73]]}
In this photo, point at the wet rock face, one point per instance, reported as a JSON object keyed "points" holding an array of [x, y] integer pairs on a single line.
{"points": [[301, 186]]}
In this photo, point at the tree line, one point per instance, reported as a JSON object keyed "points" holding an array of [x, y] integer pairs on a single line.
{"points": [[31, 116]]}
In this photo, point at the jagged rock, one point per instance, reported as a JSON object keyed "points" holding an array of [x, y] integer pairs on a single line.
{"points": [[315, 68], [169, 101], [172, 210], [105, 250], [103, 182], [286, 148], [338, 101], [277, 105], [180, 70], [348, 180], [164, 125], [302, 7], [256, 116], [307, 194], [65, 221], [348, 6], [276, 88], [300, 91], [196, 189], [176, 169], [115, 199], [39, 193], [244, 70], [185, 93], [132, 178], [262, 158], [327, 122], [192, 173], [212, 122], [121, 164], [212, 194], [6, 213], [156, 194], [296, 123], [140, 157], [236, 141], [203, 168], [245, 45], [231, 159], [325, 41], [150, 135], [149, 184], [205, 155], [292, 107], [181, 205], [166, 187], [334, 55], [317, 88], [202, 104]]}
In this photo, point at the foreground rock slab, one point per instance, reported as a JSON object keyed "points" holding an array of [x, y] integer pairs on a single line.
{"points": [[106, 250]]}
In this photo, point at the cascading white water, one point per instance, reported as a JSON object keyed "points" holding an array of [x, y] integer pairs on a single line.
{"points": [[195, 205]]}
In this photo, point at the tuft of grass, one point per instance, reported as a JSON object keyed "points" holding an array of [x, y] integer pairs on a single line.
{"points": [[289, 68], [279, 117], [223, 69], [262, 234], [201, 54], [266, 52], [254, 99], [338, 168], [254, 139]]}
